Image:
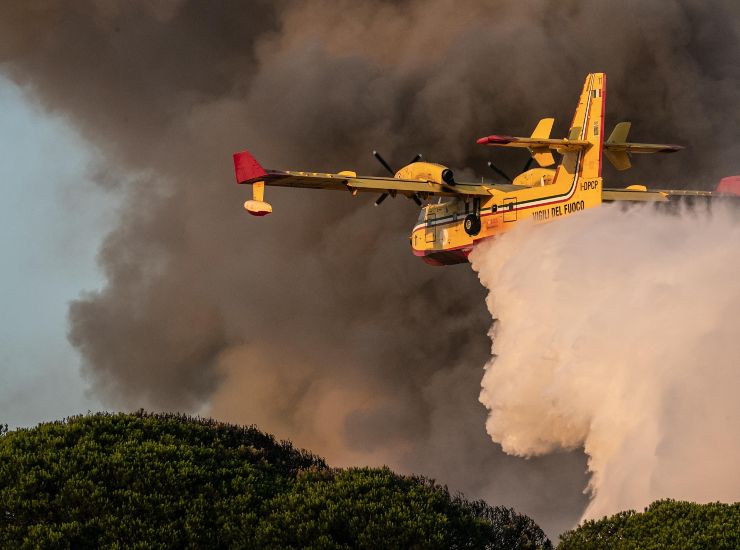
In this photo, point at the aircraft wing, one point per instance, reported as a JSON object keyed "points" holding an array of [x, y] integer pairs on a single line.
{"points": [[249, 171], [639, 193], [634, 193]]}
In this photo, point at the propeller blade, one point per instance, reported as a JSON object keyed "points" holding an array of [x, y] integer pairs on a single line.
{"points": [[382, 161], [381, 198], [529, 163], [498, 171], [417, 158]]}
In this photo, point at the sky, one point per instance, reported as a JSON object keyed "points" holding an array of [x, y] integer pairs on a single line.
{"points": [[54, 218]]}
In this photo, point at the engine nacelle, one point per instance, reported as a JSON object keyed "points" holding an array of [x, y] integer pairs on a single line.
{"points": [[427, 171]]}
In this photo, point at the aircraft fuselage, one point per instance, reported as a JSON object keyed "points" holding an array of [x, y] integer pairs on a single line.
{"points": [[441, 236]]}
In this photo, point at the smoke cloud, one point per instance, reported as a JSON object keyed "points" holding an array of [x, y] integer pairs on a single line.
{"points": [[616, 334], [316, 322]]}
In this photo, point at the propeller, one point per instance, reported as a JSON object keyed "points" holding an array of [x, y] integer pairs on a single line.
{"points": [[503, 174], [392, 172], [415, 197], [499, 171], [382, 161], [529, 163], [381, 198]]}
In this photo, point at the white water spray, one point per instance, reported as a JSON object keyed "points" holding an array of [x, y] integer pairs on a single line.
{"points": [[619, 332]]}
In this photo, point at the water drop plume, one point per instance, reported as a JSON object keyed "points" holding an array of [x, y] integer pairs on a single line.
{"points": [[617, 332]]}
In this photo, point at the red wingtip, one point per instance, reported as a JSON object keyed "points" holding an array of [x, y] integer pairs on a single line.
{"points": [[503, 140], [729, 185], [246, 167]]}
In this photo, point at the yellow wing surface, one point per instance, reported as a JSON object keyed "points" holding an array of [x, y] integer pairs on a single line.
{"points": [[417, 181], [728, 188]]}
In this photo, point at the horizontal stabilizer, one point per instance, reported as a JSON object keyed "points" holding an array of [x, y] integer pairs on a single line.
{"points": [[616, 148], [534, 143], [643, 147]]}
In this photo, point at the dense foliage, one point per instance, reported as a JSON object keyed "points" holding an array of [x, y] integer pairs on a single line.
{"points": [[664, 524], [170, 481]]}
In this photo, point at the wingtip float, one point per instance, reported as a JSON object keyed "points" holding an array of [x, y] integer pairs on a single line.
{"points": [[468, 213], [247, 171]]}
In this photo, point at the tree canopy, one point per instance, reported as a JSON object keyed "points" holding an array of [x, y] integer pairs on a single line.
{"points": [[663, 524], [172, 481]]}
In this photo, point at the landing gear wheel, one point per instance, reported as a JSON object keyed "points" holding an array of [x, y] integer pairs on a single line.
{"points": [[472, 224]]}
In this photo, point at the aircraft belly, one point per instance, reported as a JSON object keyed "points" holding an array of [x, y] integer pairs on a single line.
{"points": [[450, 244]]}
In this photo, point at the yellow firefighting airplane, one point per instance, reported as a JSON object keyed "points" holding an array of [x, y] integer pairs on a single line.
{"points": [[446, 231]]}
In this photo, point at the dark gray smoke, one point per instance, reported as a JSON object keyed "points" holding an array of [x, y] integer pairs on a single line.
{"points": [[317, 322]]}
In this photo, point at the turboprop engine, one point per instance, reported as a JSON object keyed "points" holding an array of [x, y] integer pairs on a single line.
{"points": [[426, 171], [416, 170]]}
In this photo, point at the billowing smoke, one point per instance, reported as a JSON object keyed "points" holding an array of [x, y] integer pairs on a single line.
{"points": [[316, 322], [617, 333]]}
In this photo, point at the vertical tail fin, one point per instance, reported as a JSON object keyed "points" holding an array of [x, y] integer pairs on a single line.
{"points": [[580, 171], [620, 133], [589, 118]]}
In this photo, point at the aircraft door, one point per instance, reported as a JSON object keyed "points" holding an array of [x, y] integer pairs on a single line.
{"points": [[510, 209]]}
